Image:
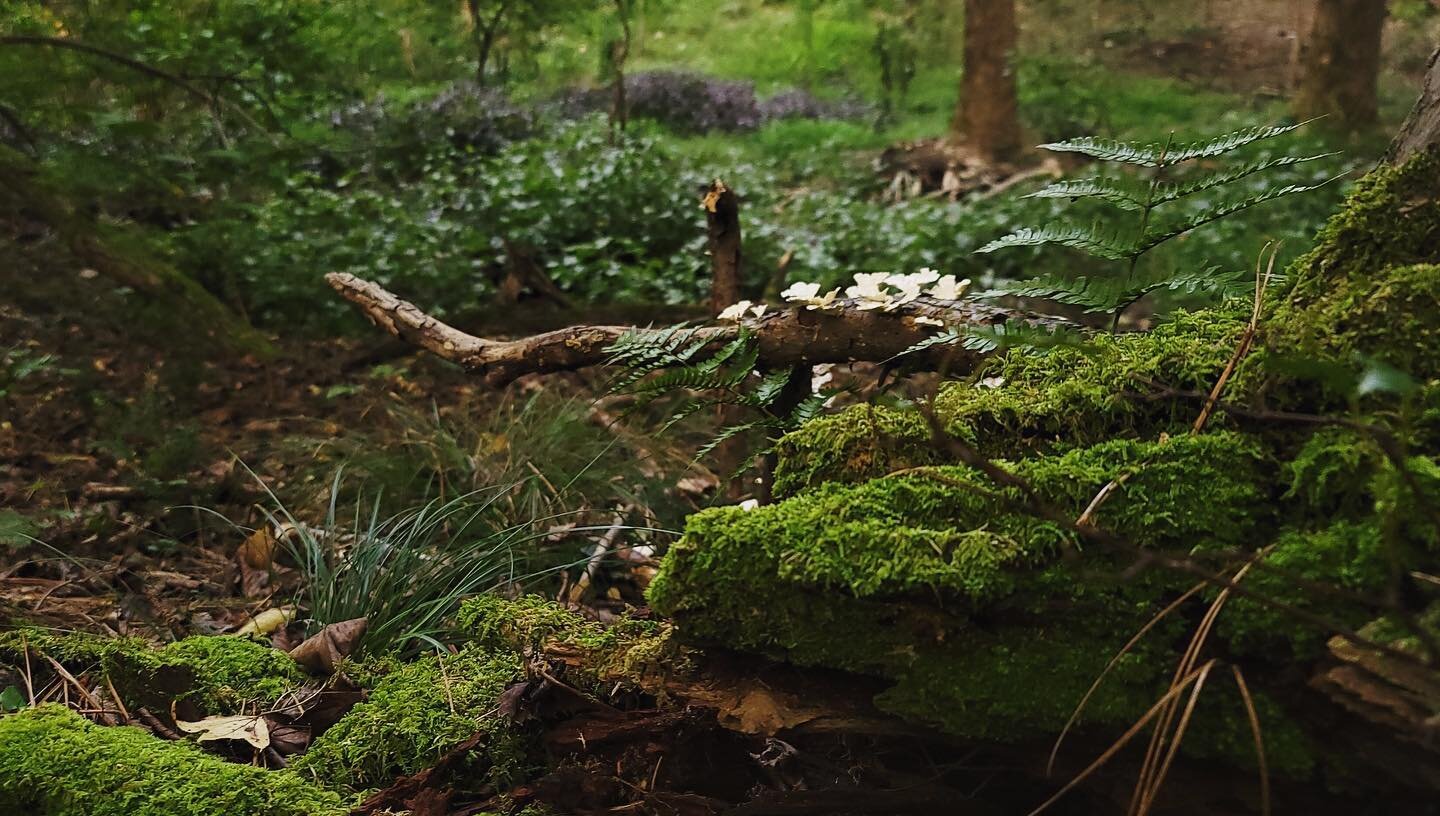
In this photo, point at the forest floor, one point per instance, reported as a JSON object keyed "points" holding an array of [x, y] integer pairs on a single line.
{"points": [[138, 470]]}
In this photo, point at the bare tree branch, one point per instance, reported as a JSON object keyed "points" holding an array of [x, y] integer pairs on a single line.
{"points": [[135, 65], [785, 337]]}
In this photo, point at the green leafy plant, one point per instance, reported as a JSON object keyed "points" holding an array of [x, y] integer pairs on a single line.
{"points": [[1114, 294]]}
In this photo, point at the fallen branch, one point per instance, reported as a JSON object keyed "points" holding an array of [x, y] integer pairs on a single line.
{"points": [[785, 337]]}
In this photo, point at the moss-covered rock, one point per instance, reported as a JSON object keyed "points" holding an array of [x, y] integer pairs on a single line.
{"points": [[416, 713], [215, 674], [55, 763]]}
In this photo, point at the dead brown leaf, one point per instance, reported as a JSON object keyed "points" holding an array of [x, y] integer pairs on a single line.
{"points": [[322, 652]]}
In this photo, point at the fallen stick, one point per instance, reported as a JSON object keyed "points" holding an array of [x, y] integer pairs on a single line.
{"points": [[785, 337]]}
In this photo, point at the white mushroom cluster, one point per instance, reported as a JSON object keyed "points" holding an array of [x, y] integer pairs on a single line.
{"points": [[871, 290]]}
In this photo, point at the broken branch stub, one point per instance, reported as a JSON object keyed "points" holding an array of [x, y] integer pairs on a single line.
{"points": [[785, 337]]}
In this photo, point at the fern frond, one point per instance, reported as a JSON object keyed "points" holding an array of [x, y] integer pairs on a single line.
{"points": [[1107, 190], [1092, 294], [1213, 279], [770, 387], [1141, 155], [731, 432], [810, 408], [1221, 145], [1017, 335], [1158, 155], [1172, 192], [1103, 296], [1075, 237], [949, 337], [1155, 238]]}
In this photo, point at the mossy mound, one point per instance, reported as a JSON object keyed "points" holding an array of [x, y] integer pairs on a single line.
{"points": [[55, 763], [215, 674], [934, 579], [629, 650], [1370, 285], [416, 712], [1068, 395], [928, 579]]}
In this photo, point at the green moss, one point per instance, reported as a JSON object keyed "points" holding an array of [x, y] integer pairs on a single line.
{"points": [[1078, 394], [1391, 219], [1332, 471], [629, 650], [414, 715], [1368, 289], [215, 674], [854, 445], [230, 671], [55, 763], [971, 688], [1074, 395], [887, 576], [1349, 555]]}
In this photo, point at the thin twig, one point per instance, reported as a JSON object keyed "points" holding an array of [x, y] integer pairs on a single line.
{"points": [[1116, 747], [120, 704], [29, 680], [79, 687], [1124, 650], [601, 549], [1254, 716]]}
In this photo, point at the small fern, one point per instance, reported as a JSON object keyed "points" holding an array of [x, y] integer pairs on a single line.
{"points": [[1115, 295], [704, 380]]}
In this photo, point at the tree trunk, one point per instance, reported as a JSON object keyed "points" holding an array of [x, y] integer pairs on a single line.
{"points": [[619, 53], [1341, 63], [987, 118], [1422, 127]]}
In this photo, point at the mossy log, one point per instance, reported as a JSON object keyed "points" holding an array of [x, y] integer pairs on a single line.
{"points": [[116, 254], [198, 676], [990, 621], [53, 762]]}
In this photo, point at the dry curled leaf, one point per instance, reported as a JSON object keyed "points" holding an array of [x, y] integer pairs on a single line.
{"points": [[242, 727], [322, 652]]}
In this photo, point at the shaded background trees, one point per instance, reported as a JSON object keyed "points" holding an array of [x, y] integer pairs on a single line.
{"points": [[1341, 63]]}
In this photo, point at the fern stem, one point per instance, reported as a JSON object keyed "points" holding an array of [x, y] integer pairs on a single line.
{"points": [[1145, 209]]}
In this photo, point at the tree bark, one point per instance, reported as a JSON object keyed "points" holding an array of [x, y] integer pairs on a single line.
{"points": [[722, 228], [987, 117], [786, 337], [1422, 127], [1341, 63]]}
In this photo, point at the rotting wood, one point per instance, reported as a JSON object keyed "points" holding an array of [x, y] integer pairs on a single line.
{"points": [[722, 229]]}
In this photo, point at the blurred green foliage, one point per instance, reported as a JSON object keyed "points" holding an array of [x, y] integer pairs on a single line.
{"points": [[351, 138]]}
